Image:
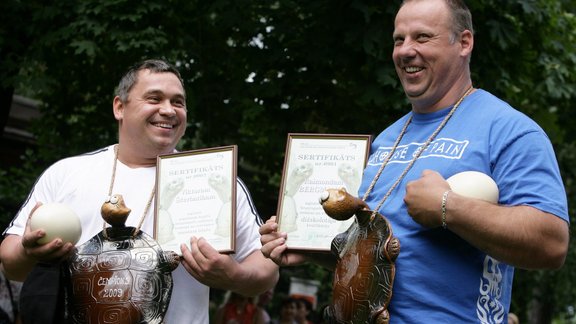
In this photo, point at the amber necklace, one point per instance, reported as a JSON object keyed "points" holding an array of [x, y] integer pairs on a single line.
{"points": [[148, 204], [416, 156]]}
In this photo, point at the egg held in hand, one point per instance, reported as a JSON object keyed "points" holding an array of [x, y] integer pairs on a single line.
{"points": [[58, 221], [474, 184]]}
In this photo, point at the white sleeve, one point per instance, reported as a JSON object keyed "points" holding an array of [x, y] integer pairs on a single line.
{"points": [[40, 192], [247, 223]]}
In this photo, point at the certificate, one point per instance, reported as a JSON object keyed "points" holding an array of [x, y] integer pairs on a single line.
{"points": [[312, 164], [196, 196]]}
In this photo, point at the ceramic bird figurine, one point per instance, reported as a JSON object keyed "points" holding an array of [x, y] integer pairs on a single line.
{"points": [[114, 211], [365, 268]]}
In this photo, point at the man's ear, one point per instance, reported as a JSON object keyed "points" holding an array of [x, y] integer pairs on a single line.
{"points": [[466, 42], [118, 107]]}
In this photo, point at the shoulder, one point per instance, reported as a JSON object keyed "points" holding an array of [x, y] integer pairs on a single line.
{"points": [[245, 202], [485, 103], [487, 109], [78, 164], [96, 156]]}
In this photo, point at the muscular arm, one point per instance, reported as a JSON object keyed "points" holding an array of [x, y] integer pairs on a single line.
{"points": [[259, 275], [15, 263], [522, 236]]}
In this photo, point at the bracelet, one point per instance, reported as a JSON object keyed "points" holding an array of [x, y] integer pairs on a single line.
{"points": [[444, 198]]}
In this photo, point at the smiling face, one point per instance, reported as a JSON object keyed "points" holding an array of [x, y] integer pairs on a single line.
{"points": [[431, 60], [152, 119]]}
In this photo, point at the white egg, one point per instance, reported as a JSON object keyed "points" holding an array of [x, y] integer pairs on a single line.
{"points": [[57, 220], [474, 184]]}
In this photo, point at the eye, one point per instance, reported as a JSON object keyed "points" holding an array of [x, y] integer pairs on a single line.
{"points": [[179, 103], [153, 99], [113, 199], [398, 41], [423, 38]]}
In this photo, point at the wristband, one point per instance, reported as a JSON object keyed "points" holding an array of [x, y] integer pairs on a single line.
{"points": [[444, 199]]}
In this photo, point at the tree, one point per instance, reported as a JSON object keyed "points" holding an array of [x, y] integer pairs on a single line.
{"points": [[257, 70]]}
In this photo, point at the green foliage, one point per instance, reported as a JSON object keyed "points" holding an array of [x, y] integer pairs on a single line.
{"points": [[257, 70], [15, 183]]}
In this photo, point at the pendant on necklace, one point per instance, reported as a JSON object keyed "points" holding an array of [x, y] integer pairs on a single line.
{"points": [[121, 273], [362, 287], [114, 211]]}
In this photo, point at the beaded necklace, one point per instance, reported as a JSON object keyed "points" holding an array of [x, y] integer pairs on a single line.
{"points": [[416, 156], [148, 204]]}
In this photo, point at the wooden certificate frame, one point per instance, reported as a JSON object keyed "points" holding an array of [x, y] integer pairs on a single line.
{"points": [[196, 196], [312, 164]]}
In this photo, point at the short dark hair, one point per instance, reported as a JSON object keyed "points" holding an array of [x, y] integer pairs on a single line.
{"points": [[130, 78], [287, 301]]}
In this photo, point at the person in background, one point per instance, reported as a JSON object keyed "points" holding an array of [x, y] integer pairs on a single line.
{"points": [[150, 108], [304, 311], [9, 295], [288, 310], [238, 309], [513, 319], [457, 254], [262, 302]]}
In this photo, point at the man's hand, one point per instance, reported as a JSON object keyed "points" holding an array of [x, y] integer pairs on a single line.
{"points": [[207, 265], [274, 245], [424, 198], [53, 251], [250, 277], [19, 254]]}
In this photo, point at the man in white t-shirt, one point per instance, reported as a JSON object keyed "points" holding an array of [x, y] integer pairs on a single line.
{"points": [[150, 107]]}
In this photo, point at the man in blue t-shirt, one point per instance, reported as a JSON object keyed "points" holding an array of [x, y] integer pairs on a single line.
{"points": [[457, 254]]}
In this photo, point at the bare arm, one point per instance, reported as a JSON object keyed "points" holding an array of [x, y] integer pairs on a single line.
{"points": [[15, 262], [522, 236], [19, 254]]}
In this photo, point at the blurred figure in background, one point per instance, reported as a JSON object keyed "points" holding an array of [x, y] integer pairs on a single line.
{"points": [[288, 310], [304, 311], [238, 309], [513, 319], [9, 294], [262, 302]]}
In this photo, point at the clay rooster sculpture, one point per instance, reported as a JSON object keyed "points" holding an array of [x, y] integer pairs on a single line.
{"points": [[365, 268]]}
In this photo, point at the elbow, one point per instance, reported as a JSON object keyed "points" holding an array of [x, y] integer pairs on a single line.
{"points": [[562, 244], [549, 252], [545, 259], [557, 256], [10, 273], [555, 252], [555, 244]]}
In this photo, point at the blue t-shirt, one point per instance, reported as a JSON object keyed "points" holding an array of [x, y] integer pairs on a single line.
{"points": [[440, 278]]}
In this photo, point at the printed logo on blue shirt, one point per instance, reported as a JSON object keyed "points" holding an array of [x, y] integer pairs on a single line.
{"points": [[442, 147]]}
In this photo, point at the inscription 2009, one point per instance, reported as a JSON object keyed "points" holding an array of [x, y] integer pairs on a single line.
{"points": [[111, 293], [113, 286]]}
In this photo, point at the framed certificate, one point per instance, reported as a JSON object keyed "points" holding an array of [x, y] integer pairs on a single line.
{"points": [[313, 163], [196, 196]]}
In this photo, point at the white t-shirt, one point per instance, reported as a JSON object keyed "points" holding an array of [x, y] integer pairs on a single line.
{"points": [[82, 182]]}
